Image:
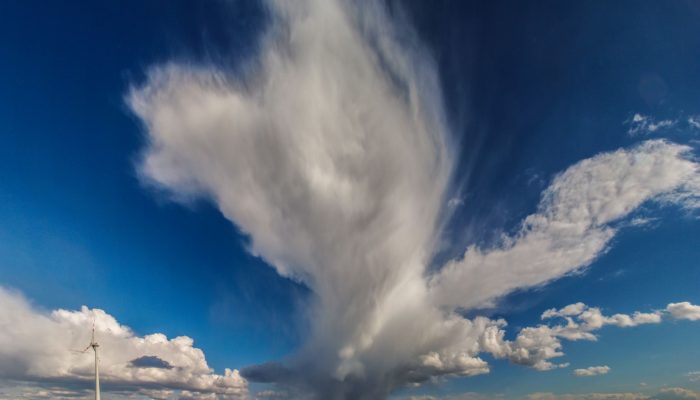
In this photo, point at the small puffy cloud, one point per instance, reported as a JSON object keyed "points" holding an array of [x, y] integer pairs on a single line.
{"points": [[592, 371], [583, 318], [537, 346], [693, 376], [571, 309], [35, 346], [684, 310], [594, 319]]}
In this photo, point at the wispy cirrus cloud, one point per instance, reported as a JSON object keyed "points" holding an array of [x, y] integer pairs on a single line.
{"points": [[694, 121], [640, 124]]}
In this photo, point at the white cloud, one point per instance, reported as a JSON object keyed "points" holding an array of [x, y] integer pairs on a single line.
{"points": [[271, 394], [589, 396], [644, 124], [592, 371], [641, 221], [684, 310], [334, 159], [694, 376], [677, 393], [694, 121], [672, 393], [36, 346], [573, 224], [591, 318], [460, 396], [571, 309], [536, 346], [333, 155]]}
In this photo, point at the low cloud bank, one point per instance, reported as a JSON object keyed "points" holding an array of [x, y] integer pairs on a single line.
{"points": [[39, 347], [36, 346], [672, 393]]}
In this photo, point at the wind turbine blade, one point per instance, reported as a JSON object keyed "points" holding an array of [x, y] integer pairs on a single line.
{"points": [[81, 351]]}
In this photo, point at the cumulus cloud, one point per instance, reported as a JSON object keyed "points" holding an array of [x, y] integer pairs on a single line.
{"points": [[36, 346], [591, 318], [592, 371], [537, 346], [684, 310], [332, 154]]}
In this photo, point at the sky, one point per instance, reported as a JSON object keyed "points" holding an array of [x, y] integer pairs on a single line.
{"points": [[350, 200]]}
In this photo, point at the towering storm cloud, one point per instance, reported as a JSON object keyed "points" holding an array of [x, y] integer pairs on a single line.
{"points": [[334, 156]]}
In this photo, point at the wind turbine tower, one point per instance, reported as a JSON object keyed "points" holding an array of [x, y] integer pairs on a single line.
{"points": [[95, 345]]}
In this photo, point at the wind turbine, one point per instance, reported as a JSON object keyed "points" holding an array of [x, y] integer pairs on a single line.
{"points": [[95, 345]]}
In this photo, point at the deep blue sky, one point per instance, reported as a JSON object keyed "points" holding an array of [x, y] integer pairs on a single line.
{"points": [[530, 89]]}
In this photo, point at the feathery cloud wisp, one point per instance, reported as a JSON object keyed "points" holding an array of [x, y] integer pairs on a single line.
{"points": [[644, 124]]}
